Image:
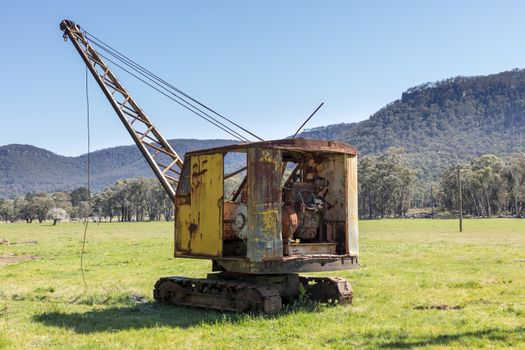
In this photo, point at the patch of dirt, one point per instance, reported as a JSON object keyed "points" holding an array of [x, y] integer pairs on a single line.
{"points": [[13, 259], [26, 242], [437, 307], [6, 242]]}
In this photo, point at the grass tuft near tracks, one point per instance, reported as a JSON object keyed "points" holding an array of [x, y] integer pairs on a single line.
{"points": [[421, 285]]}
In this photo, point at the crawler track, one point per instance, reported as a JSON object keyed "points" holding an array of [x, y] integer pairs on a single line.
{"points": [[218, 294], [331, 290], [242, 293]]}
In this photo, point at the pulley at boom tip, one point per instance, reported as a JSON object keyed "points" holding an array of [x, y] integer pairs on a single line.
{"points": [[66, 25]]}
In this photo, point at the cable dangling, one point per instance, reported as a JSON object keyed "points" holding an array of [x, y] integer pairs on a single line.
{"points": [[86, 223]]}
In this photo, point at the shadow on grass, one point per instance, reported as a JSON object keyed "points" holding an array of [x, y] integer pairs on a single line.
{"points": [[506, 336], [144, 315], [148, 315]]}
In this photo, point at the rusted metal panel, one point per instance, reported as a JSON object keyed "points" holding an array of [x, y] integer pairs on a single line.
{"points": [[312, 248], [229, 220], [294, 264], [333, 169], [352, 231], [295, 145], [264, 204], [289, 225], [205, 229]]}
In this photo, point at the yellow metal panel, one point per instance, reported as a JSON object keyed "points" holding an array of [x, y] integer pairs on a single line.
{"points": [[352, 230], [205, 229], [182, 226]]}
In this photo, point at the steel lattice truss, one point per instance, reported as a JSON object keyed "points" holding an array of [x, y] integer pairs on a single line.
{"points": [[164, 161]]}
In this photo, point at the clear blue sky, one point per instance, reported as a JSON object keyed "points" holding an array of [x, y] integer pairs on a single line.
{"points": [[265, 64]]}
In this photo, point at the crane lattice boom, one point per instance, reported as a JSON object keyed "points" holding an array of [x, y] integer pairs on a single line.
{"points": [[161, 157]]}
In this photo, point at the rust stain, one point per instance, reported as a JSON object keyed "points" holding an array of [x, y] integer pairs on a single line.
{"points": [[199, 173], [295, 145], [267, 157], [269, 220]]}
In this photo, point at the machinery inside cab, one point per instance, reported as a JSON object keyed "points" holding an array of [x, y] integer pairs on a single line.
{"points": [[289, 205]]}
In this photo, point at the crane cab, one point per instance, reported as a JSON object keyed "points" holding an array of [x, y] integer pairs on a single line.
{"points": [[285, 206]]}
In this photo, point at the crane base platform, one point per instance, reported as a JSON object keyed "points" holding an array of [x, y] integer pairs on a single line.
{"points": [[238, 292]]}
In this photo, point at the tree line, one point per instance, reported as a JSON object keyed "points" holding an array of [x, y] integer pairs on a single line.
{"points": [[388, 187], [490, 186], [126, 200]]}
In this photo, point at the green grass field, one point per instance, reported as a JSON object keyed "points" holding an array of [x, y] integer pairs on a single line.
{"points": [[421, 285]]}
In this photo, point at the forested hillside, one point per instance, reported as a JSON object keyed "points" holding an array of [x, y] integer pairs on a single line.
{"points": [[25, 168], [439, 124]]}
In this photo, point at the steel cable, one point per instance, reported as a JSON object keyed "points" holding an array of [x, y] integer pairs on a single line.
{"points": [[88, 179], [214, 122], [163, 83]]}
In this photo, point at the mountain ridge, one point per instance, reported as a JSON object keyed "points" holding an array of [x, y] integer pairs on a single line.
{"points": [[438, 124], [22, 166], [445, 122]]}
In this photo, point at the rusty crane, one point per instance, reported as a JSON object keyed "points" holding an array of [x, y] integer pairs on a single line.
{"points": [[294, 211]]}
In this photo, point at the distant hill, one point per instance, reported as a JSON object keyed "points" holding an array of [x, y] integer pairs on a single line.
{"points": [[442, 123], [25, 168], [438, 124]]}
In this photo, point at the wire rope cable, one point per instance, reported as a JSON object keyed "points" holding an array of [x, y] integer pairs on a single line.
{"points": [[163, 84], [88, 160], [191, 108]]}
